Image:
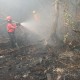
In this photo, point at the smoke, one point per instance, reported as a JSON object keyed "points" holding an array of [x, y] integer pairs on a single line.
{"points": [[40, 25], [22, 11], [40, 28], [41, 22]]}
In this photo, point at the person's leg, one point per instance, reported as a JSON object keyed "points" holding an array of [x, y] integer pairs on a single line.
{"points": [[14, 40], [11, 40]]}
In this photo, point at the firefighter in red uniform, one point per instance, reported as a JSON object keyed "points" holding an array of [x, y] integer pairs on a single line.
{"points": [[36, 16], [11, 31]]}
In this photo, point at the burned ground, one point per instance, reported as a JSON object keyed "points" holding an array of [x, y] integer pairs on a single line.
{"points": [[35, 62]]}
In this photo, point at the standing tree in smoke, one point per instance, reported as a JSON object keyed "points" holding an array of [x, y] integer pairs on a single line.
{"points": [[56, 15], [55, 23]]}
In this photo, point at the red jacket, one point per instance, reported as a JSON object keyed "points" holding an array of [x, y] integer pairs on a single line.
{"points": [[11, 27]]}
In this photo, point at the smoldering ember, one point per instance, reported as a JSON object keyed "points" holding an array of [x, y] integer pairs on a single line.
{"points": [[39, 39]]}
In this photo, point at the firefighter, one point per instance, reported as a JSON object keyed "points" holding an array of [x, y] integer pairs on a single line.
{"points": [[11, 31], [36, 16]]}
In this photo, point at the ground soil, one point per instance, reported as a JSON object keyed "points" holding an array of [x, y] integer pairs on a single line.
{"points": [[35, 62]]}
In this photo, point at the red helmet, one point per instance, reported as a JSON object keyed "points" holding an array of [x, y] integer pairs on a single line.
{"points": [[8, 18]]}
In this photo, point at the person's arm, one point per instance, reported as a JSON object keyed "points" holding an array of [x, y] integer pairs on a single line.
{"points": [[13, 26]]}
